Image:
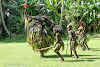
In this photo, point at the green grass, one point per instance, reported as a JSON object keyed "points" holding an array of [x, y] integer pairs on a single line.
{"points": [[20, 54]]}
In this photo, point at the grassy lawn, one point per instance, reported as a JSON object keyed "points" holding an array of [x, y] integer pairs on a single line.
{"points": [[20, 54]]}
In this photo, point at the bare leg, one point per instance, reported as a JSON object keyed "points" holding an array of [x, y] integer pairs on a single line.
{"points": [[86, 46], [70, 51], [74, 49], [56, 50], [71, 48], [82, 46], [42, 53], [75, 53], [59, 55]]}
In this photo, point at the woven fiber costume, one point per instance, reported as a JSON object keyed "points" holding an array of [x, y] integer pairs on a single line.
{"points": [[40, 33]]}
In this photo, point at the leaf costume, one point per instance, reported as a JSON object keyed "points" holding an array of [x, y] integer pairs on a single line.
{"points": [[39, 32]]}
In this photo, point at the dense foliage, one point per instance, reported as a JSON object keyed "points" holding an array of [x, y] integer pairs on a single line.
{"points": [[60, 12]]}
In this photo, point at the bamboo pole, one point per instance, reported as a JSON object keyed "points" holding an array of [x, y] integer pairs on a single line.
{"points": [[44, 48]]}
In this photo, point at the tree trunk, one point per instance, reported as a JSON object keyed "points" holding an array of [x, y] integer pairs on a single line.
{"points": [[2, 21], [0, 25]]}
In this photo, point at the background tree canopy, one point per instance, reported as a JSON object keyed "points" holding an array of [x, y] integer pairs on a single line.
{"points": [[60, 12]]}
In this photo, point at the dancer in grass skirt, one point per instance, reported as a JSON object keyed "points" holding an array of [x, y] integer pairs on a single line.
{"points": [[72, 39], [82, 37], [40, 34]]}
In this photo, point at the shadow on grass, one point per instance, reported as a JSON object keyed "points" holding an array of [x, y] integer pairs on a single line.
{"points": [[92, 58], [55, 56], [75, 60], [78, 60], [94, 49]]}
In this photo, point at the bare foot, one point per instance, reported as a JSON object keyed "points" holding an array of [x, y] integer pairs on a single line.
{"points": [[75, 57], [41, 55], [61, 59]]}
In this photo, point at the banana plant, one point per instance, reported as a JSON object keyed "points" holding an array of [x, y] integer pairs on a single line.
{"points": [[54, 7]]}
